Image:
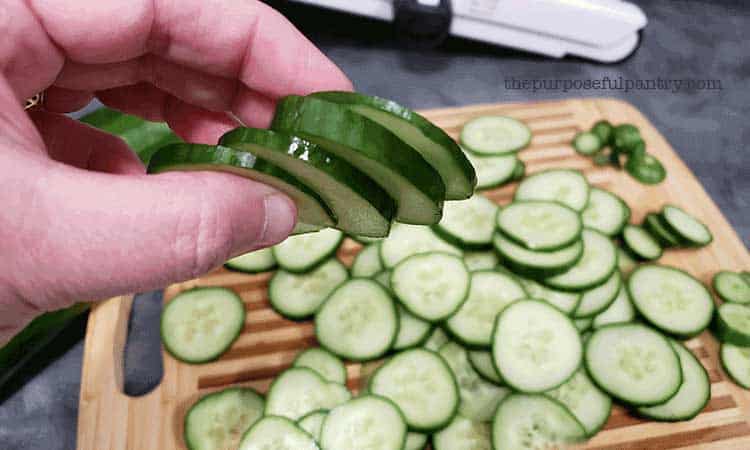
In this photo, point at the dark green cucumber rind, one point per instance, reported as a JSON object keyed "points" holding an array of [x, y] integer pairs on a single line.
{"points": [[458, 241], [285, 314], [224, 159], [632, 246], [371, 357], [715, 283], [516, 388], [623, 401], [191, 445], [684, 239], [449, 371], [728, 371], [604, 130], [295, 154], [655, 224], [534, 271], [218, 354], [510, 234], [726, 333], [314, 264], [643, 314], [364, 143], [460, 180], [626, 137]]}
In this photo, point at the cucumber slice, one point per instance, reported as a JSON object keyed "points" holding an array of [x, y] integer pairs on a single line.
{"points": [[493, 171], [604, 130], [422, 385], [692, 396], [393, 164], [432, 286], [736, 362], [671, 300], [535, 347], [598, 262], [298, 296], [359, 204], [468, 223], [476, 261], [415, 441], [589, 404], [479, 398], [325, 363], [644, 167], [436, 340], [299, 391], [534, 422], [365, 240], [218, 421], [481, 361], [412, 330], [568, 187], [463, 434], [626, 137], [732, 324], [566, 302], [365, 423], [655, 225], [303, 253], [358, 321], [407, 240], [540, 225], [533, 263], [620, 311], [430, 141], [253, 262], [625, 263], [587, 143], [605, 212], [313, 423], [199, 325], [278, 433], [599, 298], [312, 211], [384, 279], [634, 364], [489, 293], [495, 135], [641, 243], [687, 227], [732, 287], [583, 325], [367, 262]]}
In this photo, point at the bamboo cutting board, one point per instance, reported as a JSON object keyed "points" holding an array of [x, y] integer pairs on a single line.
{"points": [[110, 420]]}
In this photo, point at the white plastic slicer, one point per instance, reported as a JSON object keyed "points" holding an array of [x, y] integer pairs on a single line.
{"points": [[601, 30]]}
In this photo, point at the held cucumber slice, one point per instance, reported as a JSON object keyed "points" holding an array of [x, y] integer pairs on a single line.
{"points": [[300, 254], [598, 262], [495, 135], [407, 240], [364, 423], [736, 362], [732, 287], [540, 225], [732, 324], [254, 262], [568, 187], [218, 421], [585, 401], [297, 296], [326, 364], [605, 212], [463, 434], [686, 226], [299, 391], [469, 223], [278, 433]]}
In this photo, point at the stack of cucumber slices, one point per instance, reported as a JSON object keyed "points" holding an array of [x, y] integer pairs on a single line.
{"points": [[497, 328]]}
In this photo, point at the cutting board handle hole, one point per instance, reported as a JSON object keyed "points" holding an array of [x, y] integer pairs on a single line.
{"points": [[143, 368]]}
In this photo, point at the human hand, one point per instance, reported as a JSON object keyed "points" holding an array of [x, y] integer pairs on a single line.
{"points": [[80, 219]]}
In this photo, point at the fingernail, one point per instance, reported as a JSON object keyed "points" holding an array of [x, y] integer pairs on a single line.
{"points": [[281, 216]]}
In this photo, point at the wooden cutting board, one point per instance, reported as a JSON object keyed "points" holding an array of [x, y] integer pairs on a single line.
{"points": [[110, 420]]}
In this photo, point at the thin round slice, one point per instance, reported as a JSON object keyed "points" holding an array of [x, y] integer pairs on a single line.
{"points": [[199, 325], [537, 264], [634, 364], [686, 226], [481, 361], [358, 321], [540, 225], [620, 311], [585, 401], [326, 364], [568, 187], [489, 293], [298, 391], [432, 286], [303, 253], [598, 262], [253, 262], [535, 347], [463, 434], [525, 422], [599, 298], [692, 396], [495, 135], [412, 330], [732, 287], [468, 223], [736, 362], [407, 240], [278, 433], [671, 300], [297, 296], [364, 423], [732, 324], [313, 423], [641, 243], [422, 385], [605, 212], [493, 171], [367, 262], [218, 421]]}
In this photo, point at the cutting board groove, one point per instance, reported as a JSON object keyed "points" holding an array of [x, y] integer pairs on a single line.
{"points": [[110, 420]]}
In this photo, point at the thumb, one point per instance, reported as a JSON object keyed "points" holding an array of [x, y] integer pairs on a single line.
{"points": [[97, 235]]}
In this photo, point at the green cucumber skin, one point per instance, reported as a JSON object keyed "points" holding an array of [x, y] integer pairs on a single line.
{"points": [[726, 333], [246, 138], [320, 121], [430, 131], [656, 225]]}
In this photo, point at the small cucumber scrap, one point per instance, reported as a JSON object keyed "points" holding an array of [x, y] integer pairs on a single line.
{"points": [[732, 324], [303, 253], [298, 391], [736, 362], [732, 287], [278, 433], [218, 421], [686, 226], [297, 296], [495, 135], [587, 143], [463, 434], [364, 423], [540, 225], [253, 262], [585, 401], [568, 187], [468, 223], [326, 364]]}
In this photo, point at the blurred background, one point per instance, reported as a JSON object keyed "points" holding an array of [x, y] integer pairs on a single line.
{"points": [[684, 39]]}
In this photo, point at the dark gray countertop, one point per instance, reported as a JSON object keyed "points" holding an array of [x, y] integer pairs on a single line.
{"points": [[684, 39]]}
